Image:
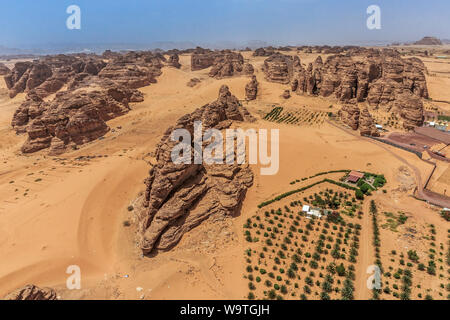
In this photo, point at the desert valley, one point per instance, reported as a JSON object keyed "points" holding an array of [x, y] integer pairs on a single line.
{"points": [[86, 177]]}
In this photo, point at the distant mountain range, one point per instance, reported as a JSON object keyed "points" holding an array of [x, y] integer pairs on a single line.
{"points": [[168, 45], [429, 41], [101, 47]]}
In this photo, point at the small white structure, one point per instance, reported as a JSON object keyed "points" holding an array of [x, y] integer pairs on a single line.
{"points": [[379, 126], [314, 213], [432, 124]]}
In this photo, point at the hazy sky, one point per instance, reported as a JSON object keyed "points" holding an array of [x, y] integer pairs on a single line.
{"points": [[25, 23]]}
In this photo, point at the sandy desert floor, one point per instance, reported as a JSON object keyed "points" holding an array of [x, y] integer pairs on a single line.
{"points": [[72, 209]]}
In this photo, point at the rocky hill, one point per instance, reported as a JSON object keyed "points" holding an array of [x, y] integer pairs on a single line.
{"points": [[251, 89], [429, 41], [90, 90], [4, 70], [179, 197], [381, 78], [225, 63], [280, 68], [32, 292]]}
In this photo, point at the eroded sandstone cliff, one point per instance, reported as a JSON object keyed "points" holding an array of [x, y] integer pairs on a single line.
{"points": [[180, 196]]}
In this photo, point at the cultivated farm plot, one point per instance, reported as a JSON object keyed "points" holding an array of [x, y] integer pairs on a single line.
{"points": [[291, 256], [388, 120], [301, 117], [416, 265]]}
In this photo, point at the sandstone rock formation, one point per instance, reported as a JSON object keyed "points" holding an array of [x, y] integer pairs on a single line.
{"points": [[280, 68], [357, 119], [4, 70], [134, 69], [180, 196], [193, 82], [251, 89], [202, 58], [24, 72], [72, 118], [49, 74], [366, 124], [32, 292], [174, 61], [230, 64], [89, 92], [379, 78], [350, 115], [261, 52], [410, 108], [372, 78], [225, 63], [429, 41], [248, 69], [286, 94]]}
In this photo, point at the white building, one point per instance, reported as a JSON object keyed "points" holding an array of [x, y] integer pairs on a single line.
{"points": [[314, 213]]}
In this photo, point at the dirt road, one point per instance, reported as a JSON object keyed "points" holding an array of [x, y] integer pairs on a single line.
{"points": [[366, 256], [421, 193]]}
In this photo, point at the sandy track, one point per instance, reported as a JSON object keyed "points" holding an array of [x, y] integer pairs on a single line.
{"points": [[366, 257], [99, 220]]}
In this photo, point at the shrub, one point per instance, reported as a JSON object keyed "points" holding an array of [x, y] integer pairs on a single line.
{"points": [[359, 195]]}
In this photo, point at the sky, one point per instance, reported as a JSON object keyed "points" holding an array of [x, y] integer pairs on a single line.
{"points": [[37, 23]]}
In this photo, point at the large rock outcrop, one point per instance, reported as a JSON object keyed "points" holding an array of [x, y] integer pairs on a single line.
{"points": [[410, 108], [89, 92], [375, 77], [180, 196], [350, 115], [174, 61], [379, 77], [227, 65], [251, 89], [72, 118], [366, 124], [356, 119], [262, 52], [49, 74], [224, 63], [429, 41], [32, 292], [4, 70], [203, 58], [134, 69], [193, 82], [280, 68]]}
